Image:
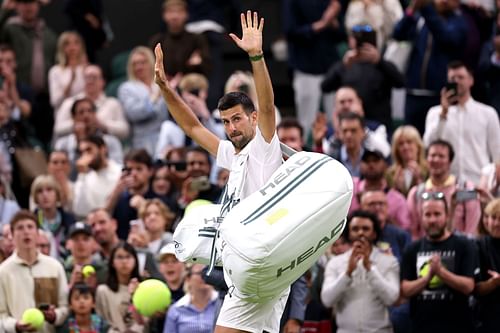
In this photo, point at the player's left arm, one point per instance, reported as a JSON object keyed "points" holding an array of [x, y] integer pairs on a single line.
{"points": [[251, 42]]}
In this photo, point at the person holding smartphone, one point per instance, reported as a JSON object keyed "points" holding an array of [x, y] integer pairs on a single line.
{"points": [[197, 185], [364, 69], [471, 127]]}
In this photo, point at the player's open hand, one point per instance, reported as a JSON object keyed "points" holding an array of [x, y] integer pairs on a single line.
{"points": [[160, 76], [251, 41]]}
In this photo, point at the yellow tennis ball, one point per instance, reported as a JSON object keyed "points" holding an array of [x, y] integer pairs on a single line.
{"points": [[435, 281], [88, 270], [424, 270], [151, 296], [34, 317]]}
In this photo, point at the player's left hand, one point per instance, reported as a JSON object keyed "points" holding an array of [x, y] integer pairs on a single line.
{"points": [[251, 41]]}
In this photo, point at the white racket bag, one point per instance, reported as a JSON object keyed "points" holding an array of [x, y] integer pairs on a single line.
{"points": [[273, 236]]}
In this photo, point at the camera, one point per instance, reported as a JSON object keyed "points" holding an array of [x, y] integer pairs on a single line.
{"points": [[44, 307], [178, 166], [200, 184], [465, 195]]}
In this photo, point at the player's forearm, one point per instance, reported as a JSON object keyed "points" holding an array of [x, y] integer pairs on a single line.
{"points": [[263, 85], [182, 114]]}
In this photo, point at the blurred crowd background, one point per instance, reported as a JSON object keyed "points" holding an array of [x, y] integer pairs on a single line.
{"points": [[405, 94]]}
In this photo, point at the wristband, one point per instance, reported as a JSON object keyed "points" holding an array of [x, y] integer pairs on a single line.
{"points": [[257, 57]]}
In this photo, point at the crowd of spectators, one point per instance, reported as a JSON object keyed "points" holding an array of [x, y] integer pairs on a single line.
{"points": [[88, 178]]}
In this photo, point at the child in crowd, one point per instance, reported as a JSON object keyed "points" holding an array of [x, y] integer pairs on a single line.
{"points": [[113, 299], [82, 318]]}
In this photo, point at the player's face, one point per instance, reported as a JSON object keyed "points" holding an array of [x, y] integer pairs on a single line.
{"points": [[239, 126]]}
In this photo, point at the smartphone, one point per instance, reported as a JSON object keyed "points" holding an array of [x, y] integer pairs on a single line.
{"points": [[452, 86], [178, 166], [364, 34], [244, 88], [126, 171], [137, 225], [465, 195], [200, 184], [44, 306], [195, 92]]}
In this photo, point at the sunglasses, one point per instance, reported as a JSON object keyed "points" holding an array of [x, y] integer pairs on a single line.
{"points": [[433, 196]]}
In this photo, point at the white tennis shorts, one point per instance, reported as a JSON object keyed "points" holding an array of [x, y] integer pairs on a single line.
{"points": [[252, 317]]}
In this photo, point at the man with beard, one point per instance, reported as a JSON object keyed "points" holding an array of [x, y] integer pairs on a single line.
{"points": [[373, 169], [437, 273], [252, 154], [347, 100], [133, 187], [97, 176], [85, 123], [362, 280], [104, 231], [197, 184]]}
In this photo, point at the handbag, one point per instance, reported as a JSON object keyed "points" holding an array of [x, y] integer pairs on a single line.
{"points": [[398, 52], [31, 162]]}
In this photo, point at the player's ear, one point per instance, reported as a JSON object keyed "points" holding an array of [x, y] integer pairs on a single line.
{"points": [[253, 116]]}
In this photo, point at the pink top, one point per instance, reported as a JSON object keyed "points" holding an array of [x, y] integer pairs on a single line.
{"points": [[465, 215], [396, 203]]}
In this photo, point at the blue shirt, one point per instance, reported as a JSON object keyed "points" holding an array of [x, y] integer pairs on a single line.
{"points": [[397, 238], [183, 317], [354, 169]]}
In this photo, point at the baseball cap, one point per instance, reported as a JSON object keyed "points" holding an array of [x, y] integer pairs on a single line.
{"points": [[372, 153], [80, 228], [166, 249]]}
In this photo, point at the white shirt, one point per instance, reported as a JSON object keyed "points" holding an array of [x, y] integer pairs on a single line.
{"points": [[262, 159], [59, 78], [361, 301], [93, 188], [109, 113], [474, 132]]}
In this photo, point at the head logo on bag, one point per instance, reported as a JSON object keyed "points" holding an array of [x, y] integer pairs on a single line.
{"points": [[273, 236], [313, 249]]}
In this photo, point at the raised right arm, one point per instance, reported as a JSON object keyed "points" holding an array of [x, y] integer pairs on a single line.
{"points": [[182, 114]]}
